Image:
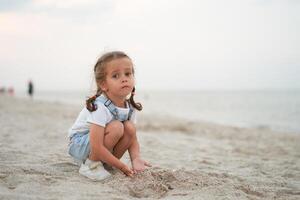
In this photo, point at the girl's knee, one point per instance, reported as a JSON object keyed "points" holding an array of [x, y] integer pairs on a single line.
{"points": [[129, 129], [116, 128]]}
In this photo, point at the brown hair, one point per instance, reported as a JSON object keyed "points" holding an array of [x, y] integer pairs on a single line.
{"points": [[100, 73]]}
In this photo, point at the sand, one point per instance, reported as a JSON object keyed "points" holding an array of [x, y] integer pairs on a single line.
{"points": [[191, 160]]}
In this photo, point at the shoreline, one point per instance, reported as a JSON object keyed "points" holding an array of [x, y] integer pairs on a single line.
{"points": [[162, 117], [191, 160]]}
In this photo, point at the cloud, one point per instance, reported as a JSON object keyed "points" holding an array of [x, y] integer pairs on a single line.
{"points": [[72, 10], [64, 4], [67, 8], [9, 5]]}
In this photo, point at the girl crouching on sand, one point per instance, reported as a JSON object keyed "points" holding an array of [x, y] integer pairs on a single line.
{"points": [[105, 128]]}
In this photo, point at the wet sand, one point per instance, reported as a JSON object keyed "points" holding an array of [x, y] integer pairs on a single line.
{"points": [[191, 160]]}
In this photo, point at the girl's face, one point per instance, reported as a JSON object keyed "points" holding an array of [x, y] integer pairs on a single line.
{"points": [[119, 80]]}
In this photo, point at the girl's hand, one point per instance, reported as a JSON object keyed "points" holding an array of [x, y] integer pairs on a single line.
{"points": [[139, 165], [126, 170]]}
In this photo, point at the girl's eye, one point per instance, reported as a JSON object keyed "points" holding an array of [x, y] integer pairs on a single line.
{"points": [[128, 73], [115, 76]]}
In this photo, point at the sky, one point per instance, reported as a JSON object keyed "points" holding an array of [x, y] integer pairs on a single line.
{"points": [[174, 44]]}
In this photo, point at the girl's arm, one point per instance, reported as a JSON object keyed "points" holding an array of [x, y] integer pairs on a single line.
{"points": [[138, 163], [100, 152], [134, 149]]}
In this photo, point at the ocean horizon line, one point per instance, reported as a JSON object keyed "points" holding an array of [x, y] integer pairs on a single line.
{"points": [[181, 90]]}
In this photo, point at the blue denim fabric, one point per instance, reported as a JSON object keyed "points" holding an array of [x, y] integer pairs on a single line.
{"points": [[79, 147], [113, 109]]}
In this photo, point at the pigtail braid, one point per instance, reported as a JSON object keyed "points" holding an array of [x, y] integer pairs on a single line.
{"points": [[137, 106], [90, 103]]}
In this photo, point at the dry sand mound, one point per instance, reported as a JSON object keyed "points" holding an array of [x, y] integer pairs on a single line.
{"points": [[156, 183]]}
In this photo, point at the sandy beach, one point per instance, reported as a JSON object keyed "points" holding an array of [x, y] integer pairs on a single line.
{"points": [[191, 160]]}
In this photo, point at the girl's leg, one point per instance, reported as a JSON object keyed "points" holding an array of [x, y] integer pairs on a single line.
{"points": [[112, 134], [128, 137], [118, 137]]}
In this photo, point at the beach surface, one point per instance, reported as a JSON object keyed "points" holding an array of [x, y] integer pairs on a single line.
{"points": [[191, 160]]}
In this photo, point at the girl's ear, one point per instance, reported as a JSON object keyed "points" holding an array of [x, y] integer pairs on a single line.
{"points": [[103, 86]]}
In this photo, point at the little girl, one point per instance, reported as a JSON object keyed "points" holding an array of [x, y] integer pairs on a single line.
{"points": [[105, 128]]}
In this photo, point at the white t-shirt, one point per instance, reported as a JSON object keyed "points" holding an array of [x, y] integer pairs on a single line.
{"points": [[101, 117]]}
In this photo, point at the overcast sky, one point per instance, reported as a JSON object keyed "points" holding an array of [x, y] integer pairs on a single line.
{"points": [[175, 44]]}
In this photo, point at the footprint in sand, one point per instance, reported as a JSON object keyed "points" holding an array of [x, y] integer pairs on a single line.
{"points": [[9, 181]]}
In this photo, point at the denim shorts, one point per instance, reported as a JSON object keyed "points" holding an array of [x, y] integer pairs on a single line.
{"points": [[79, 147]]}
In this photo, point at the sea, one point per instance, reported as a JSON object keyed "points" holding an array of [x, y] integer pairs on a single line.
{"points": [[277, 110]]}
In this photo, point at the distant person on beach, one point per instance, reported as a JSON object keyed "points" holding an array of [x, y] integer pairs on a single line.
{"points": [[2, 90], [30, 88], [106, 128], [11, 91]]}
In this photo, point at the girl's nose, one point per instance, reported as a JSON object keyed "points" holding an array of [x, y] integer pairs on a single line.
{"points": [[124, 79]]}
